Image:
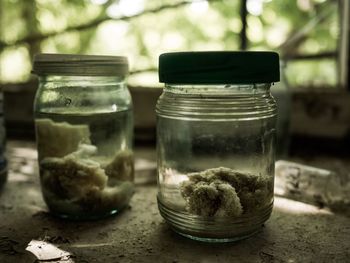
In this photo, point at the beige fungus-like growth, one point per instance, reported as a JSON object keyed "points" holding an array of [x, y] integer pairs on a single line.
{"points": [[78, 181], [223, 192]]}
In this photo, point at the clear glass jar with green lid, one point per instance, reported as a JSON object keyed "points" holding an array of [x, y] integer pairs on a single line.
{"points": [[216, 142], [84, 132]]}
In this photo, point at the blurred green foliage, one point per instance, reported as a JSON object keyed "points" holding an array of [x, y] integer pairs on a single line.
{"points": [[212, 25]]}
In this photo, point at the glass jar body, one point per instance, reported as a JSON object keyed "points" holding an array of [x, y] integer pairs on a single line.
{"points": [[216, 146], [84, 129], [3, 161]]}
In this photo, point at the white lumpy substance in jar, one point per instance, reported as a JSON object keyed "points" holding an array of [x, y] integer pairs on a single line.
{"points": [[74, 178], [224, 192]]}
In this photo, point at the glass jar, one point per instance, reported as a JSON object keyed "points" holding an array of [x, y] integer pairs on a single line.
{"points": [[216, 142], [84, 129], [3, 161]]}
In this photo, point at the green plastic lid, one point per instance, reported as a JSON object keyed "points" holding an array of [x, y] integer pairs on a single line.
{"points": [[219, 67]]}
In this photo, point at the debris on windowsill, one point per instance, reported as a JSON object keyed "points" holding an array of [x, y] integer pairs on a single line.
{"points": [[47, 252], [320, 187]]}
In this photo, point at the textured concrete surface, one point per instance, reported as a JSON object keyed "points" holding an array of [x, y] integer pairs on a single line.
{"points": [[296, 232]]}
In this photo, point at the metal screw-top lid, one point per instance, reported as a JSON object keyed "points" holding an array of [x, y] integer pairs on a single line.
{"points": [[219, 67], [80, 65]]}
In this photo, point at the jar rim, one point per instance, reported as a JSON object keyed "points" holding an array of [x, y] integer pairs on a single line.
{"points": [[80, 65]]}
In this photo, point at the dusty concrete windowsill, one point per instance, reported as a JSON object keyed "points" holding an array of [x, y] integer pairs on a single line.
{"points": [[296, 232]]}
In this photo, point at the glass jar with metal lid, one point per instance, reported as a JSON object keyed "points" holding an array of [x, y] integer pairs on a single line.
{"points": [[84, 130], [216, 142]]}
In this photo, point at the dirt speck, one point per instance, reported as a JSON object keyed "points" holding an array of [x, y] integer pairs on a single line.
{"points": [[57, 239], [266, 257], [7, 246]]}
